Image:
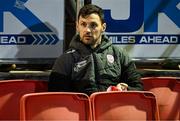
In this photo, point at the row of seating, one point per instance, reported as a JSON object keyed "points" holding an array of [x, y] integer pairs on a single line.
{"points": [[38, 104], [167, 92], [10, 93], [99, 106]]}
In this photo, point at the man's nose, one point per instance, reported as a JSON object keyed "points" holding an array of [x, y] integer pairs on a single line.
{"points": [[88, 29]]}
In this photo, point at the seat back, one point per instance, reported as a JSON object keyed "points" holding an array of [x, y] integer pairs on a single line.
{"points": [[124, 106], [11, 92], [55, 106], [167, 91]]}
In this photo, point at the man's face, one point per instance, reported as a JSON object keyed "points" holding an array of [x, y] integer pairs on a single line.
{"points": [[90, 29]]}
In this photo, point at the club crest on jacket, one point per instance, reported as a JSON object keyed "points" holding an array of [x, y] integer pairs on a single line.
{"points": [[110, 58]]}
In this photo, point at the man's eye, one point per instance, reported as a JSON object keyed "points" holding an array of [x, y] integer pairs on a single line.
{"points": [[93, 25], [83, 24]]}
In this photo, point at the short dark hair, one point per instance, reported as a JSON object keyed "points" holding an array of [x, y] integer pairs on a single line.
{"points": [[89, 9]]}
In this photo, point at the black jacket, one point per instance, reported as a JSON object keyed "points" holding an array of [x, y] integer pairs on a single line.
{"points": [[86, 70]]}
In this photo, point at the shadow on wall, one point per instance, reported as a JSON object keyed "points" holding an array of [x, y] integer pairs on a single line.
{"points": [[39, 47]]}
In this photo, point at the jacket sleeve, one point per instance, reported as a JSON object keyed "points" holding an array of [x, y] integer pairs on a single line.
{"points": [[60, 77], [130, 75]]}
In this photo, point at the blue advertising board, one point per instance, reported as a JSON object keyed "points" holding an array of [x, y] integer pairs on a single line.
{"points": [[145, 28], [31, 28]]}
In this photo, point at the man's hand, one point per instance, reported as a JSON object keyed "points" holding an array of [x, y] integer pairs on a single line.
{"points": [[122, 86], [118, 87]]}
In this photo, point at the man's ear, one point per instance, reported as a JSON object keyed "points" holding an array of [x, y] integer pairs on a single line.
{"points": [[104, 27], [77, 29]]}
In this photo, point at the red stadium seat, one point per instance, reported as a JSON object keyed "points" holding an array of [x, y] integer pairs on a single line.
{"points": [[55, 106], [11, 92], [130, 105], [167, 91]]}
